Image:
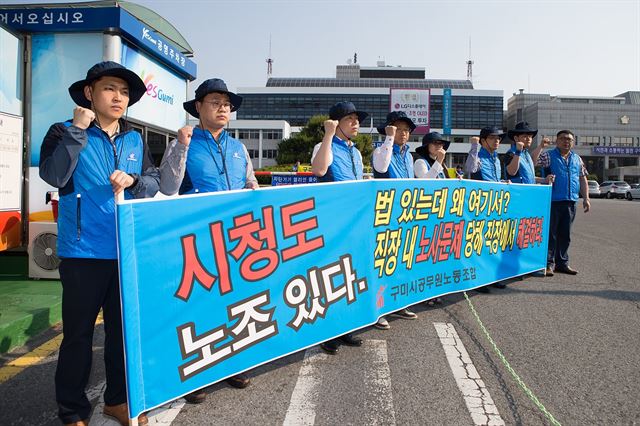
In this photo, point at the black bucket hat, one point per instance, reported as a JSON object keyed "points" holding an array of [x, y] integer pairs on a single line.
{"points": [[342, 109], [213, 85], [394, 116], [522, 128], [107, 69], [430, 138], [491, 130]]}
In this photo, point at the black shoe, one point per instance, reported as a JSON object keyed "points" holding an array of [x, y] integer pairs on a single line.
{"points": [[349, 340], [330, 347], [196, 397], [549, 271], [484, 289], [566, 270], [239, 381], [499, 285]]}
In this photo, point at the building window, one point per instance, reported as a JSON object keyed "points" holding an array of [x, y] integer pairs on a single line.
{"points": [[245, 134], [269, 153], [621, 141], [589, 140]]}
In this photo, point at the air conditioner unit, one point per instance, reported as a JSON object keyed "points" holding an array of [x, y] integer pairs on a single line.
{"points": [[43, 253]]}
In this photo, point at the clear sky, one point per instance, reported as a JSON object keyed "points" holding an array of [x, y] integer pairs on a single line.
{"points": [[584, 48]]}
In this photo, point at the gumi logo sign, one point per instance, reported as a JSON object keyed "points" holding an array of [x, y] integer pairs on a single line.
{"points": [[154, 90], [147, 36]]}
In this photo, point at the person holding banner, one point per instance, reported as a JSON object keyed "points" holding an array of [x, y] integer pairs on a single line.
{"points": [[484, 164], [430, 165], [569, 177], [520, 163], [207, 159], [90, 158], [336, 159], [392, 160]]}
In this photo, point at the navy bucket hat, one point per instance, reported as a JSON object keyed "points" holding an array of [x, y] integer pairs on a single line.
{"points": [[490, 131], [394, 116], [430, 138], [213, 85], [107, 69], [342, 109], [522, 128]]}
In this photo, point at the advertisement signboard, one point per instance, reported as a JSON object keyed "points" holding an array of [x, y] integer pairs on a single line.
{"points": [[415, 103]]}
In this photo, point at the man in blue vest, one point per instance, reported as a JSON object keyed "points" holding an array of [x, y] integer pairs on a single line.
{"points": [[392, 160], [519, 162], [90, 158], [207, 159], [484, 164], [336, 159], [569, 181]]}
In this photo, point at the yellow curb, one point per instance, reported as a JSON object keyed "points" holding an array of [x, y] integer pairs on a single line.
{"points": [[15, 367]]}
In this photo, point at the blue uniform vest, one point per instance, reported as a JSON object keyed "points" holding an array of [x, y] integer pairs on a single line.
{"points": [[346, 165], [214, 167], [401, 165], [526, 171], [489, 169], [86, 215], [566, 186]]}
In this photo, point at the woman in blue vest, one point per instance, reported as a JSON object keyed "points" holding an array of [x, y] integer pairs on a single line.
{"points": [[392, 160], [430, 165], [337, 159]]}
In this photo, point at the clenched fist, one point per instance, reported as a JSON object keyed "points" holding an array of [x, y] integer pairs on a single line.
{"points": [[545, 142], [82, 117], [440, 153], [330, 126], [474, 140], [184, 135], [519, 146], [390, 131], [120, 181]]}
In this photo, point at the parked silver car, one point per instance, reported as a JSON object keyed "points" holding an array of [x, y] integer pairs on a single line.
{"points": [[614, 189], [594, 189], [634, 191]]}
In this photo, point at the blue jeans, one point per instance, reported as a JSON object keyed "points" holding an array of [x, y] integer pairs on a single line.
{"points": [[562, 215]]}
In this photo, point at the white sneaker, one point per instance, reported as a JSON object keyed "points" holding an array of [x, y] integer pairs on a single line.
{"points": [[382, 324], [405, 314]]}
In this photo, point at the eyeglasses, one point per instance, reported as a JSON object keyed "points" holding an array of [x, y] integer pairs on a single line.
{"points": [[217, 104], [403, 130]]}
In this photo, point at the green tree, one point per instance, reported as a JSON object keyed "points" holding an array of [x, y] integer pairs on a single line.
{"points": [[299, 147]]}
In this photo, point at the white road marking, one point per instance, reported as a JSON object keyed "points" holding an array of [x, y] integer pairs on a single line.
{"points": [[302, 408], [476, 396], [379, 399]]}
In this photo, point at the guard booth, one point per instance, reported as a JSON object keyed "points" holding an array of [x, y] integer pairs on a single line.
{"points": [[47, 47]]}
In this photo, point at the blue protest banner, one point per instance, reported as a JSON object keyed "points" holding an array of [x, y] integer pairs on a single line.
{"points": [[216, 284]]}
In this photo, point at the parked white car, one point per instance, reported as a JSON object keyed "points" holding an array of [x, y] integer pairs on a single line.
{"points": [[614, 189], [594, 189], [634, 191]]}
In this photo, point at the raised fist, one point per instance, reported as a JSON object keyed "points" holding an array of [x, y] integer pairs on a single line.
{"points": [[474, 140], [545, 142], [440, 155], [330, 126], [82, 117], [519, 146], [184, 135], [390, 130]]}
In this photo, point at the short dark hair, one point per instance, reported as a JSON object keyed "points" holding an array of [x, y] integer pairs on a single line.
{"points": [[565, 132]]}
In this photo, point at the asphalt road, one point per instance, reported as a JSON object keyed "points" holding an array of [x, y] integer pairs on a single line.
{"points": [[573, 340]]}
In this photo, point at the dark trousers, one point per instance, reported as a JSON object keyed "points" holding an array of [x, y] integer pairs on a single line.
{"points": [[562, 215], [87, 286]]}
